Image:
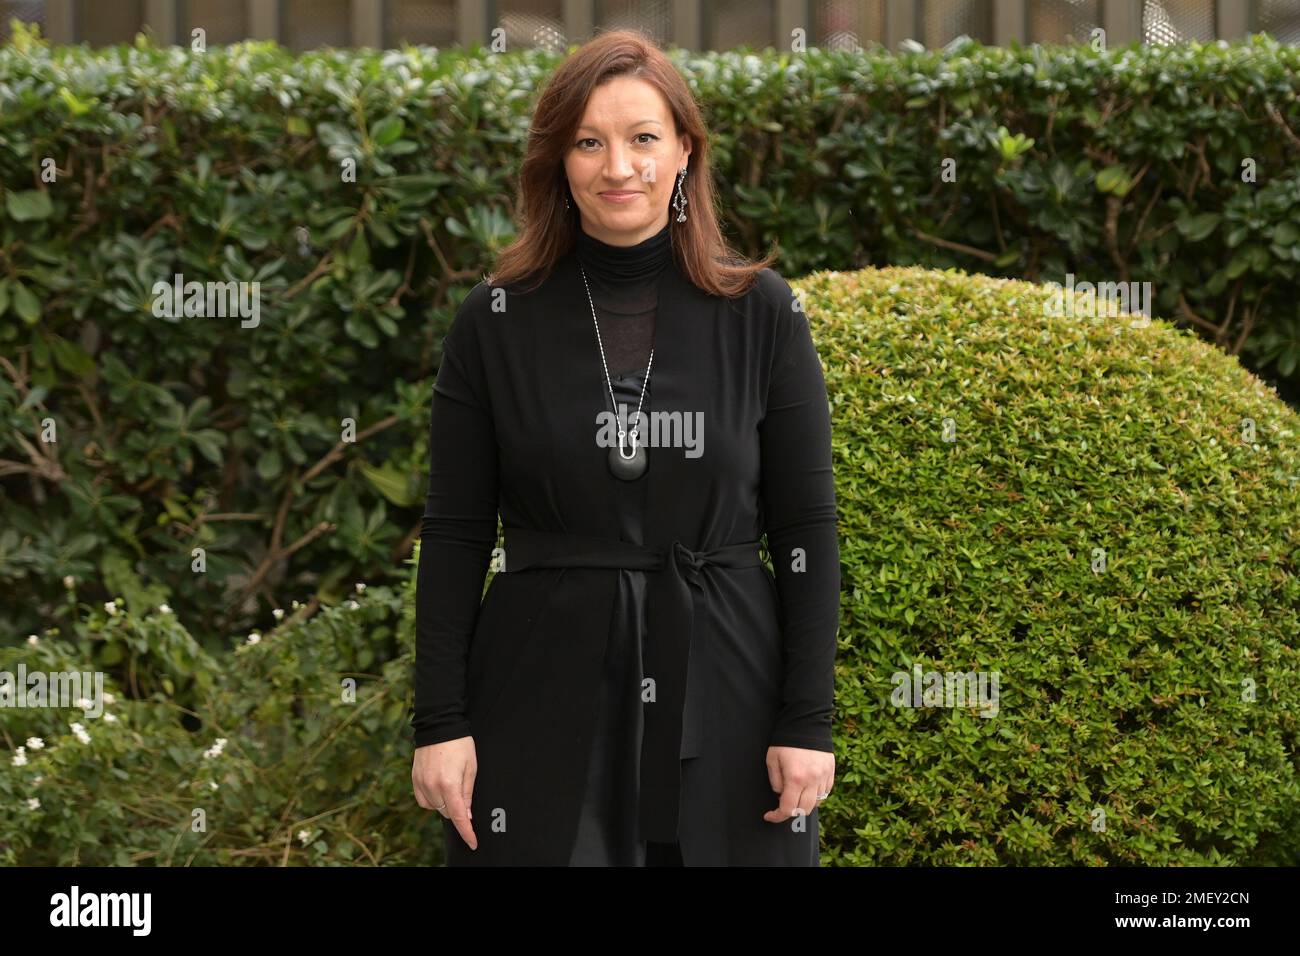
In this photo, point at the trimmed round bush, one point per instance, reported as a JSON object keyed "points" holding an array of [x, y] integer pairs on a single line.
{"points": [[1098, 518]]}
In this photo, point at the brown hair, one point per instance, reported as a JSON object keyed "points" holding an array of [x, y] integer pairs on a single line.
{"points": [[548, 230]]}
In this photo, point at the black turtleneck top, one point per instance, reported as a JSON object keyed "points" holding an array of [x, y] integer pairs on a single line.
{"points": [[622, 281]]}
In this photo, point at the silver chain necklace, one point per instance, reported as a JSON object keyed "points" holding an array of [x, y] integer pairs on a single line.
{"points": [[633, 466]]}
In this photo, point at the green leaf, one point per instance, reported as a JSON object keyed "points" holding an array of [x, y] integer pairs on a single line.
{"points": [[75, 106], [1239, 264], [71, 357], [29, 205], [391, 482], [26, 305], [387, 130], [1286, 233], [383, 232], [1198, 227], [359, 252], [332, 134], [268, 464], [1113, 179]]}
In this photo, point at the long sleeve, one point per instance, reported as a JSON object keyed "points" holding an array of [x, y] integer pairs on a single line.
{"points": [[458, 531], [798, 498]]}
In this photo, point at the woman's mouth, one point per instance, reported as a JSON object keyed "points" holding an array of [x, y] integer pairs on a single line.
{"points": [[617, 196]]}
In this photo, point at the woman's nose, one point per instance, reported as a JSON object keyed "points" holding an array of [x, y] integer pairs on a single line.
{"points": [[617, 167]]}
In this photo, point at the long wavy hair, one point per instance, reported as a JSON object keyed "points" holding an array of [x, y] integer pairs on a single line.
{"points": [[547, 231]]}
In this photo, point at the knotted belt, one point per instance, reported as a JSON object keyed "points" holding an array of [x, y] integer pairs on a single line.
{"points": [[674, 723]]}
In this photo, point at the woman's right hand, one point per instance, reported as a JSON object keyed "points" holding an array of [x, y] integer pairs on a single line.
{"points": [[444, 774]]}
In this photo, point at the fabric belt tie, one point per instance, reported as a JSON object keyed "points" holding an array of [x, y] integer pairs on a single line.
{"points": [[674, 722]]}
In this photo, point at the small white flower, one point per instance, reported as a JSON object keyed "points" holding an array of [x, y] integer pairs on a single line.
{"points": [[36, 743], [110, 607], [69, 581], [84, 703], [353, 605], [33, 640], [304, 836], [361, 587], [212, 784], [33, 804], [20, 757], [215, 749], [110, 718], [295, 604], [37, 780], [78, 728], [164, 609], [254, 637], [81, 733], [109, 698], [278, 613]]}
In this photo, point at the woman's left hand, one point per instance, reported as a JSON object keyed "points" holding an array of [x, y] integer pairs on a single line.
{"points": [[800, 776]]}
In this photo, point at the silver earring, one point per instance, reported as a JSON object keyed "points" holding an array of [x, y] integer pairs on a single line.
{"points": [[679, 201], [566, 202]]}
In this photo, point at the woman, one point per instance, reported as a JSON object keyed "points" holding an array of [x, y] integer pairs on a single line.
{"points": [[640, 406]]}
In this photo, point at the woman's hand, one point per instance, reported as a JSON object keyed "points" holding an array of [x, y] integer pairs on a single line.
{"points": [[800, 776], [444, 774]]}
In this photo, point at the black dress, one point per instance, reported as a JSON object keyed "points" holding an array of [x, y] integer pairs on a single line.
{"points": [[621, 282]]}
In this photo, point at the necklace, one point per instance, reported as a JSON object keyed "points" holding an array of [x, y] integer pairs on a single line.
{"points": [[632, 466]]}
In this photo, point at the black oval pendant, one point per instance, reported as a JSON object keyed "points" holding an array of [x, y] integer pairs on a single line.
{"points": [[628, 469]]}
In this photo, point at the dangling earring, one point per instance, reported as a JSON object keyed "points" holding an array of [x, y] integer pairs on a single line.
{"points": [[566, 201], [679, 201]]}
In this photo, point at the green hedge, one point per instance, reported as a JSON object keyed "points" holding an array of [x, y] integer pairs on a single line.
{"points": [[293, 453], [286, 747], [1122, 685], [1105, 514]]}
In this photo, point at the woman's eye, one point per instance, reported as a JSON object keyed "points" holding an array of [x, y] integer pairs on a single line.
{"points": [[581, 144]]}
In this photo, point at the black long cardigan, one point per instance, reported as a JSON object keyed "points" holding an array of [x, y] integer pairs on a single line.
{"points": [[736, 661]]}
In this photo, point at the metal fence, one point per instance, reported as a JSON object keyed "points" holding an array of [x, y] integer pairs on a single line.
{"points": [[693, 24]]}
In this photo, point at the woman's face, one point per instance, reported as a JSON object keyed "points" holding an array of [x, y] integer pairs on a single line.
{"points": [[625, 144]]}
